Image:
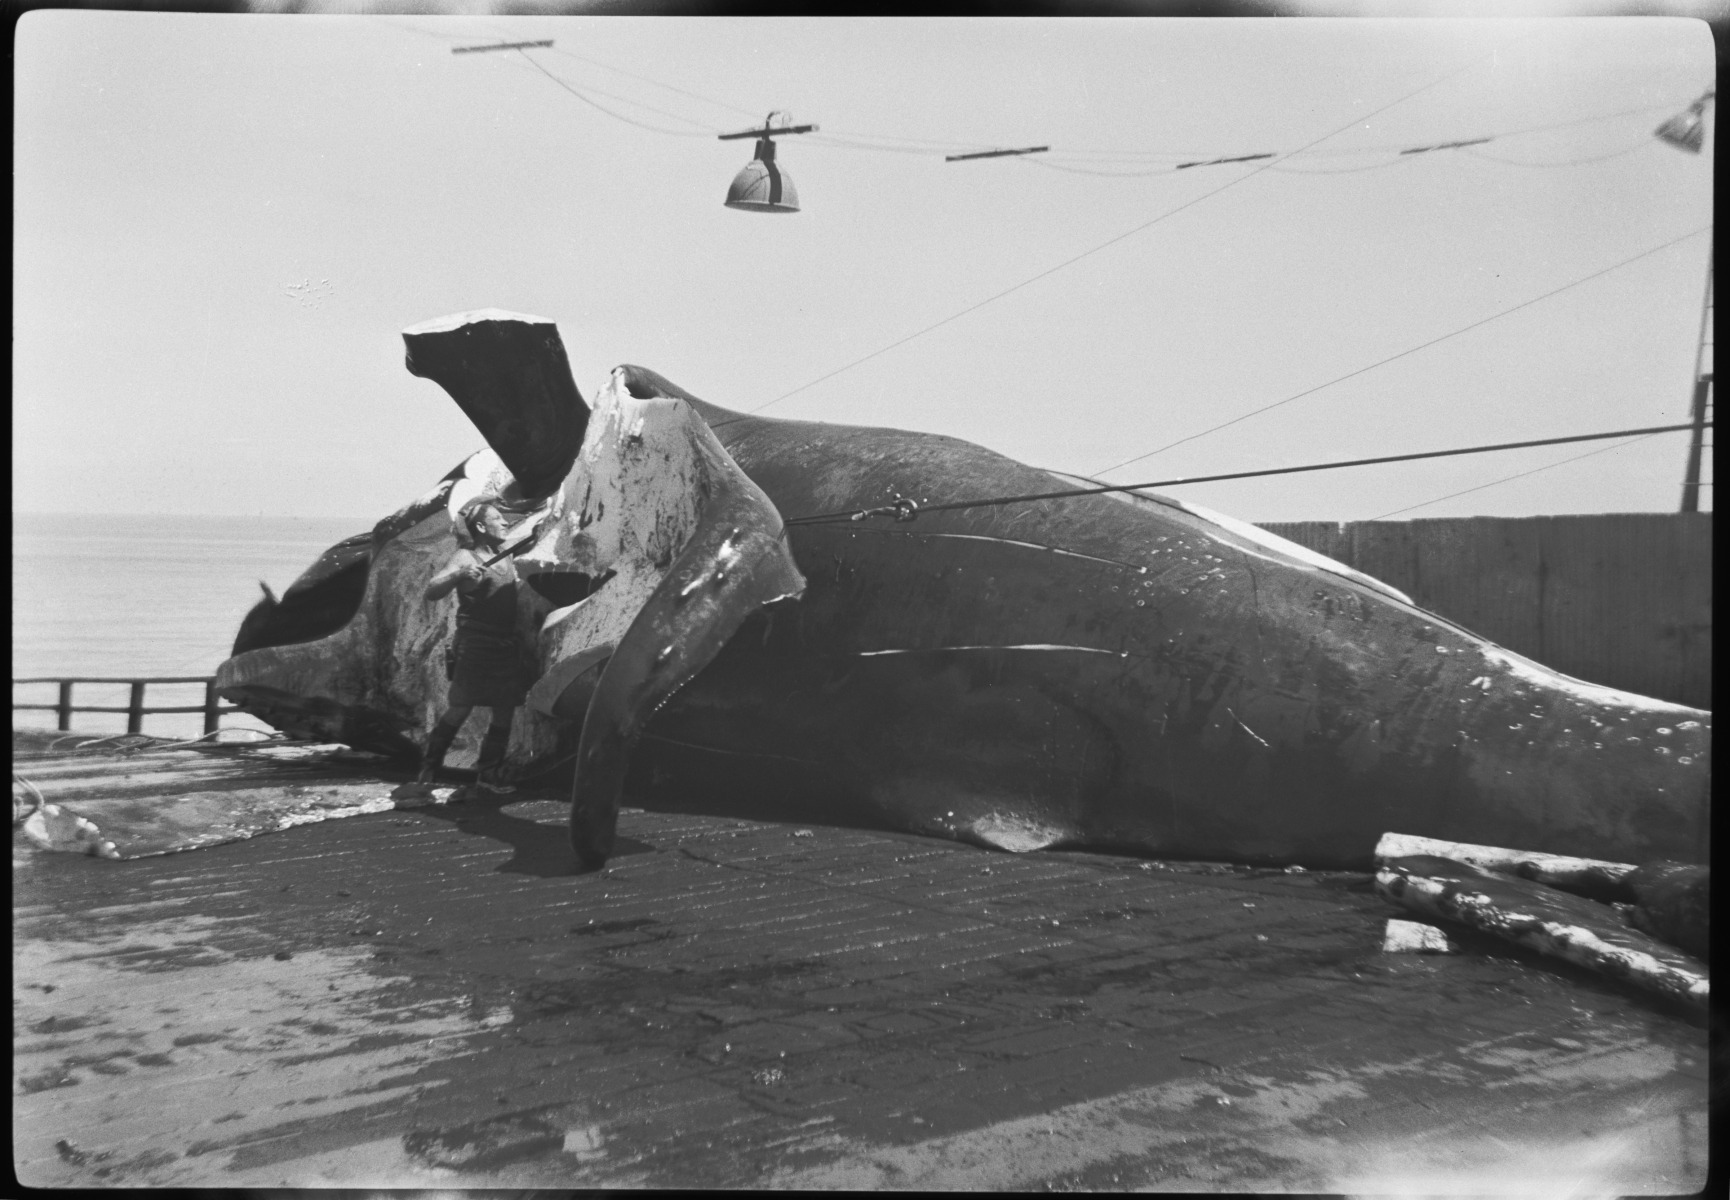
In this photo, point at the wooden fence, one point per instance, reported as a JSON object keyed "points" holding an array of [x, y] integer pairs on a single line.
{"points": [[135, 708], [1620, 599]]}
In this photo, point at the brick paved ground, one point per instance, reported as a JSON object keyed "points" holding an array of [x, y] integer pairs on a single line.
{"points": [[431, 999]]}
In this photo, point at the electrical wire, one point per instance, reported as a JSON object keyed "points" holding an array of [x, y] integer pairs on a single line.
{"points": [[589, 89], [1378, 166], [1401, 148], [1510, 478], [852, 140], [609, 112], [656, 82], [828, 143], [1073, 170], [1067, 158], [1170, 212], [1410, 350], [916, 145], [1642, 144], [580, 94]]}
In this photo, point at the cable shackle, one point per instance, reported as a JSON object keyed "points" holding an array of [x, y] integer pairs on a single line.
{"points": [[904, 509]]}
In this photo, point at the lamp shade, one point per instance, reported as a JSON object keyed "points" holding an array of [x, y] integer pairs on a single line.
{"points": [[762, 186], [1686, 131]]}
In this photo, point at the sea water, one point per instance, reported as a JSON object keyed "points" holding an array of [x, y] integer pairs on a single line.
{"points": [[134, 596]]}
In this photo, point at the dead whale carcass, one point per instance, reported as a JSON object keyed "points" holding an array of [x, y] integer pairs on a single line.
{"points": [[1117, 670]]}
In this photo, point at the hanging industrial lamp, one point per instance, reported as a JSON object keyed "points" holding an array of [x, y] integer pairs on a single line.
{"points": [[762, 186], [1686, 130]]}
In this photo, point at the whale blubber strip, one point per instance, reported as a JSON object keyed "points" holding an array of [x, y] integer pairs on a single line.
{"points": [[734, 563]]}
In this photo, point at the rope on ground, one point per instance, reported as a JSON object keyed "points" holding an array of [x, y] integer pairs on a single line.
{"points": [[273, 736], [136, 739]]}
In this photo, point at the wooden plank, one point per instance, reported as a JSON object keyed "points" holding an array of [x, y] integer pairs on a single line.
{"points": [[1324, 537], [1628, 602], [1486, 574], [1388, 551]]}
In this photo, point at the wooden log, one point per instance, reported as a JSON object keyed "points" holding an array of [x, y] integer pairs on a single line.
{"points": [[1552, 923], [1588, 876], [1674, 903]]}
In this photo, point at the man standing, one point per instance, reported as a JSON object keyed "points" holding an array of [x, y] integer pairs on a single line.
{"points": [[487, 669]]}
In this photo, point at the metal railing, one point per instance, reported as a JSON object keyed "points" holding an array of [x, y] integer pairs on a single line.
{"points": [[135, 708]]}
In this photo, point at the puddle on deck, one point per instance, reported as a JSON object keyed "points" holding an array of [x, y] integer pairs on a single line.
{"points": [[178, 1063]]}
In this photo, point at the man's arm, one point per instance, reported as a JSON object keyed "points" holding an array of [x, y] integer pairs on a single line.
{"points": [[462, 566]]}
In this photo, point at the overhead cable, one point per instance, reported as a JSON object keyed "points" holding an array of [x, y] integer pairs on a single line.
{"points": [[1642, 144], [1170, 212], [595, 62], [1510, 478], [1066, 158], [1403, 148], [708, 131], [906, 510], [1375, 166], [1410, 349], [1071, 159]]}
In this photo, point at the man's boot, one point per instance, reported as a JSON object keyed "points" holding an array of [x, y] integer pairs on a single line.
{"points": [[491, 760]]}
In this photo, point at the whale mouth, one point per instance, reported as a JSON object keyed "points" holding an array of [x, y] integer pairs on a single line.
{"points": [[323, 600], [319, 718]]}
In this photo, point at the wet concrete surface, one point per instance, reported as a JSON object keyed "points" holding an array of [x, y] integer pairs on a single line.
{"points": [[431, 998]]}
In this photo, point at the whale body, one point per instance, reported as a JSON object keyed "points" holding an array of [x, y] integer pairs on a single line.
{"points": [[1120, 671]]}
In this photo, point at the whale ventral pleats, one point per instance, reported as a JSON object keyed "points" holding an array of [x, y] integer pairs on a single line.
{"points": [[510, 375]]}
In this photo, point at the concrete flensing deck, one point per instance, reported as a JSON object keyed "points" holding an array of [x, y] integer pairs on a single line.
{"points": [[429, 998]]}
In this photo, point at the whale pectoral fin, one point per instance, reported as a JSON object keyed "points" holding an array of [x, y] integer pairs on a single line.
{"points": [[509, 373], [734, 562]]}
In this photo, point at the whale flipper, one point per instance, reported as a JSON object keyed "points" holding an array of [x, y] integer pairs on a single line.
{"points": [[735, 561]]}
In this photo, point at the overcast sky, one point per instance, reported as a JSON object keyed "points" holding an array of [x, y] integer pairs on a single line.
{"points": [[224, 222]]}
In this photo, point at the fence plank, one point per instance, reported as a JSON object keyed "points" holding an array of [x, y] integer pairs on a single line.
{"points": [[1629, 597], [1488, 575], [1324, 537], [1386, 550], [135, 707]]}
